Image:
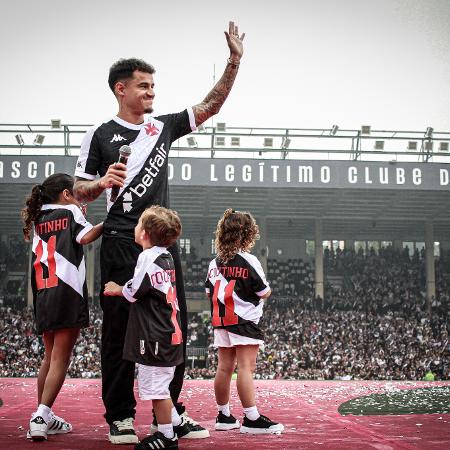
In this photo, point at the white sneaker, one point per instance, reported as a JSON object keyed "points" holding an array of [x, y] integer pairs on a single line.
{"points": [[38, 428], [56, 425]]}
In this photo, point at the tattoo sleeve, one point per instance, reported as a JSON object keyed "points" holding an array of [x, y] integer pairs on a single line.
{"points": [[87, 190], [216, 98]]}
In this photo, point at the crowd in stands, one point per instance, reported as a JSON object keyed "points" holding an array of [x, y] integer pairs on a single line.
{"points": [[377, 325]]}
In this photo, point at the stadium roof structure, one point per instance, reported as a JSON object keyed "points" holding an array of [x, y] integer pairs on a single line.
{"points": [[361, 184]]}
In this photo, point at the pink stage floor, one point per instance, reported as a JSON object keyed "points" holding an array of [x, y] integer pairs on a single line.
{"points": [[308, 409]]}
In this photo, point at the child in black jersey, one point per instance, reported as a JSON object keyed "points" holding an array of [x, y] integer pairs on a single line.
{"points": [[59, 288], [236, 286], [153, 338]]}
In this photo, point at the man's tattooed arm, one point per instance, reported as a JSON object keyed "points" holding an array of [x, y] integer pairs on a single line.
{"points": [[88, 190], [216, 98]]}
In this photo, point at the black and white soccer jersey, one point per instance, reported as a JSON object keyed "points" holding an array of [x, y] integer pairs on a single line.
{"points": [[58, 271], [153, 335], [147, 177], [235, 289]]}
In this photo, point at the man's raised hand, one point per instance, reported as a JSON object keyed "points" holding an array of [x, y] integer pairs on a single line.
{"points": [[235, 42]]}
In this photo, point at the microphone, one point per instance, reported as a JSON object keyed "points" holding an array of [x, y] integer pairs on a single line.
{"points": [[124, 153]]}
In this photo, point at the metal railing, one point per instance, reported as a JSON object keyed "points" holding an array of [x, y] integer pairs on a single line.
{"points": [[277, 143]]}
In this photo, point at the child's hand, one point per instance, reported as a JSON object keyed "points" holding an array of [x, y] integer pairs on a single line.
{"points": [[112, 289]]}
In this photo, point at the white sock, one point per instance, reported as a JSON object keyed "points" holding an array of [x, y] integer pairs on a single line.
{"points": [[166, 429], [176, 419], [251, 413], [43, 411], [224, 409]]}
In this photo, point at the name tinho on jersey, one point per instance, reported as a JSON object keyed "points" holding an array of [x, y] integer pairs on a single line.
{"points": [[51, 225], [152, 168]]}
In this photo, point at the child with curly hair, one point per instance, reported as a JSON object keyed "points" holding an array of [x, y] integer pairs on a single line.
{"points": [[236, 286]]}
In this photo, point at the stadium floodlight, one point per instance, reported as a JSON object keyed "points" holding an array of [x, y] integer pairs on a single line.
{"points": [[220, 141], [429, 133], [333, 130], [285, 142], [235, 141], [268, 142], [365, 129], [221, 127], [192, 142], [379, 145], [39, 139], [412, 145], [443, 146], [56, 123], [19, 139]]}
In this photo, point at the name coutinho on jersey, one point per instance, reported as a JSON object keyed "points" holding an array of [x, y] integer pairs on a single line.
{"points": [[52, 225], [163, 276], [231, 271]]}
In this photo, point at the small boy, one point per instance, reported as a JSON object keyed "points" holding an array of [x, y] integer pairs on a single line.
{"points": [[153, 339]]}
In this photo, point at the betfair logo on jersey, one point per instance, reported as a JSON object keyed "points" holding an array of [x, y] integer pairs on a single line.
{"points": [[118, 138], [153, 168]]}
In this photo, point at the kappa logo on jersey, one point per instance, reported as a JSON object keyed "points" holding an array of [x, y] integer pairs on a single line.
{"points": [[118, 138], [151, 130]]}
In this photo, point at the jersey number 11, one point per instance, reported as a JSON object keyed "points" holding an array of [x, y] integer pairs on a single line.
{"points": [[52, 279]]}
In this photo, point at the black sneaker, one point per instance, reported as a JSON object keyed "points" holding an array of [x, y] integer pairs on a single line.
{"points": [[122, 432], [261, 425], [189, 429], [224, 423], [157, 441]]}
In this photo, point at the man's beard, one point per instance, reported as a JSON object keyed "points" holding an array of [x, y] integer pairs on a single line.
{"points": [[148, 110]]}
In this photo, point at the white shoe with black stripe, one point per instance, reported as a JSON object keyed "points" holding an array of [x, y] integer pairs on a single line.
{"points": [[38, 428], [56, 425], [157, 441]]}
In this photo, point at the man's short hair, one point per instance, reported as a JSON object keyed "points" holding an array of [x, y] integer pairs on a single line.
{"points": [[124, 68]]}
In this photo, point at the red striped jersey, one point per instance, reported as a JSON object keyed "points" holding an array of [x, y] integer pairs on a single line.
{"points": [[58, 271], [154, 333], [235, 289]]}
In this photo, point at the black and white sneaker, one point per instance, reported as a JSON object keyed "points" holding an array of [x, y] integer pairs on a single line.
{"points": [[157, 441], [224, 423], [189, 429], [56, 425], [38, 428], [261, 425], [122, 432]]}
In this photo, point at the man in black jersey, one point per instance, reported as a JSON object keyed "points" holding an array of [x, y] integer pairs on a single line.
{"points": [[143, 182]]}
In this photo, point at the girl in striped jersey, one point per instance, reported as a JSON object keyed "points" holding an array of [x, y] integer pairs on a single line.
{"points": [[236, 286], [59, 288]]}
